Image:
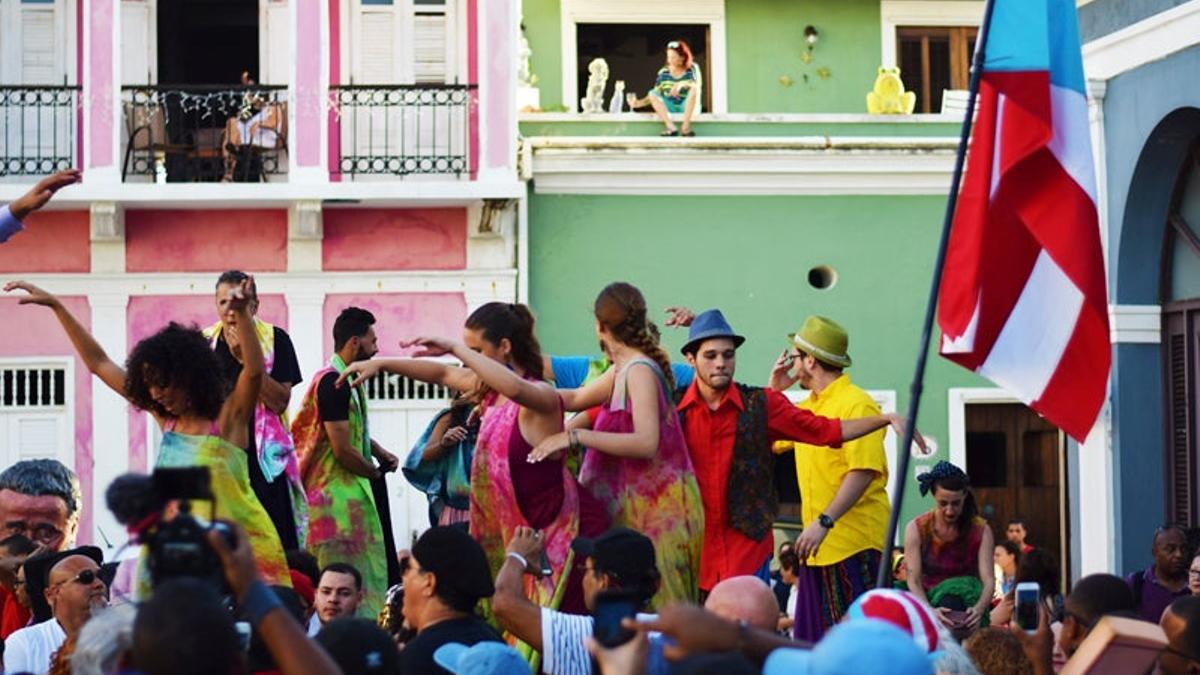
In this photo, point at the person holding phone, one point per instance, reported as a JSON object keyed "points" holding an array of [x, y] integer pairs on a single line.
{"points": [[621, 576], [949, 551]]}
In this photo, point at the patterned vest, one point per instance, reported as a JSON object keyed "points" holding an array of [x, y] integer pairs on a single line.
{"points": [[752, 500]]}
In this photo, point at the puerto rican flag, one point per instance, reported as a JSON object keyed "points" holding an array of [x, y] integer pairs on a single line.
{"points": [[1023, 298]]}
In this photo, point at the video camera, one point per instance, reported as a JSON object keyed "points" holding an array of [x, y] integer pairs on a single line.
{"points": [[157, 509]]}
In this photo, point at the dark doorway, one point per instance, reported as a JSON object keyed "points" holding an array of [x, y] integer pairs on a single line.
{"points": [[635, 52], [1015, 460], [207, 41]]}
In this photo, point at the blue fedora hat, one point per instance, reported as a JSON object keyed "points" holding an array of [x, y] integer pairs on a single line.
{"points": [[708, 325]]}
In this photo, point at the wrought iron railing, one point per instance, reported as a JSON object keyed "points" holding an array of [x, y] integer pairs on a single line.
{"points": [[37, 129], [203, 133], [402, 130]]}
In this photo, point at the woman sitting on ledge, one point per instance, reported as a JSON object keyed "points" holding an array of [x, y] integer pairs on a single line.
{"points": [[676, 90]]}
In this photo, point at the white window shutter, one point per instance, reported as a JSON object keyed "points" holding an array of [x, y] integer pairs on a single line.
{"points": [[38, 45], [429, 48], [38, 436], [377, 45]]}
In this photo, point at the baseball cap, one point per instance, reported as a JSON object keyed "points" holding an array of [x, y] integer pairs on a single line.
{"points": [[854, 647], [484, 658], [623, 554], [359, 646], [456, 559], [901, 609]]}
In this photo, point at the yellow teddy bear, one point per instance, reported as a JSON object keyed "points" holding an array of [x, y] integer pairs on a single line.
{"points": [[889, 97]]}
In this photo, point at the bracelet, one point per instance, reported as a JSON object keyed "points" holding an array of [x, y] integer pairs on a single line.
{"points": [[519, 558], [258, 602], [573, 437]]}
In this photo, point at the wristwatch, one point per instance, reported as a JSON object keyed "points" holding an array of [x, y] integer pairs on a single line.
{"points": [[825, 521]]}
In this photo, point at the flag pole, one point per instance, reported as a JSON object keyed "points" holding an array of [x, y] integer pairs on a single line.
{"points": [[883, 578]]}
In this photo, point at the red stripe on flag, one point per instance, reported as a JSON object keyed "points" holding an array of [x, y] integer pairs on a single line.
{"points": [[1075, 393]]}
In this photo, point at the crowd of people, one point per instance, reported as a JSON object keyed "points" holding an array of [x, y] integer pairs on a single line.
{"points": [[560, 488]]}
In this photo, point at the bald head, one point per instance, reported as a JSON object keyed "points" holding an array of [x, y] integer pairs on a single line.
{"points": [[744, 598]]}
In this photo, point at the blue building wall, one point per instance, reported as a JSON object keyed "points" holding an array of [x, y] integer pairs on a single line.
{"points": [[1101, 17], [1151, 117]]}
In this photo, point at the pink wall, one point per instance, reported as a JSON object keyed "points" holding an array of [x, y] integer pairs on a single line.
{"points": [[254, 240], [53, 241], [500, 76], [473, 78], [401, 315], [98, 94], [149, 313], [310, 97], [394, 239], [40, 334], [335, 77]]}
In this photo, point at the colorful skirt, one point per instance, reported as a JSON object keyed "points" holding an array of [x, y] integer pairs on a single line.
{"points": [[825, 592]]}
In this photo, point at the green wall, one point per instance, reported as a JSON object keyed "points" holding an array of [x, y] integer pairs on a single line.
{"points": [[764, 42], [750, 257]]}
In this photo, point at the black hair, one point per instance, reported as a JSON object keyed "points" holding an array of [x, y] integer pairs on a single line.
{"points": [[1188, 609], [232, 277], [1098, 595], [176, 356], [343, 568], [1039, 565], [790, 561], [644, 585], [1016, 521], [305, 563], [513, 322], [44, 477], [18, 545], [1012, 547], [183, 629], [959, 483], [259, 654], [351, 323]]}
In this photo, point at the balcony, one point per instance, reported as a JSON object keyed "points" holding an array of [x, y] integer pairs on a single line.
{"points": [[38, 127], [204, 134], [401, 131]]}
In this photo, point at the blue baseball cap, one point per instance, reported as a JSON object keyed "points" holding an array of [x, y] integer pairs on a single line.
{"points": [[707, 325], [866, 646], [484, 658]]}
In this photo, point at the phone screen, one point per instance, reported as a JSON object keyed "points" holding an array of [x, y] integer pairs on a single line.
{"points": [[610, 609], [1027, 608]]}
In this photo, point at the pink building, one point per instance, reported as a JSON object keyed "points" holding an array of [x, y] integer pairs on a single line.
{"points": [[372, 162]]}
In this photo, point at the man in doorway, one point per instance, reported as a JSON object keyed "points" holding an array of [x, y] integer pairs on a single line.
{"points": [[274, 472], [843, 493], [37, 197], [1166, 579], [347, 520], [730, 429], [1016, 533], [339, 593]]}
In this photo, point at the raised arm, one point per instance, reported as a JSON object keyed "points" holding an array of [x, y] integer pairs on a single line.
{"points": [[641, 443], [90, 351], [537, 396], [593, 394], [239, 407], [513, 610], [458, 379]]}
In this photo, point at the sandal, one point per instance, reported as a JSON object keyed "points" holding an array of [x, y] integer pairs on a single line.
{"points": [[670, 132], [689, 132]]}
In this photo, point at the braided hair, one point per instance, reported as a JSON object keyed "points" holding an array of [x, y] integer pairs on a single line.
{"points": [[621, 309]]}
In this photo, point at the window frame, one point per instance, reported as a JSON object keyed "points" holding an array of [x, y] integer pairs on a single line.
{"points": [[959, 37]]}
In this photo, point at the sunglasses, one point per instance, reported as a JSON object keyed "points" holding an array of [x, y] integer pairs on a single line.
{"points": [[84, 578]]}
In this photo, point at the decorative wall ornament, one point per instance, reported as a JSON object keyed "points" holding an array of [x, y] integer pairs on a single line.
{"points": [[889, 97]]}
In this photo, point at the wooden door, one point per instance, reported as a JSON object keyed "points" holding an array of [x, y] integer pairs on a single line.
{"points": [[1014, 458]]}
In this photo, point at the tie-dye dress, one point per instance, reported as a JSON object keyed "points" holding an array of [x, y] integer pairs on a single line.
{"points": [[658, 497]]}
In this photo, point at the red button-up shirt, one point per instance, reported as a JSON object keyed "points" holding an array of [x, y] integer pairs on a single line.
{"points": [[710, 436]]}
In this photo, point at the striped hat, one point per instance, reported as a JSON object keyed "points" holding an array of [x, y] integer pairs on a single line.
{"points": [[901, 609]]}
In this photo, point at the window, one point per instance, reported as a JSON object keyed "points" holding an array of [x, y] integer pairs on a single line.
{"points": [[403, 41], [932, 59], [635, 52], [35, 412]]}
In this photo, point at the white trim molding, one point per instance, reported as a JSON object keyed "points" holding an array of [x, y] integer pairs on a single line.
{"points": [[1153, 38], [1135, 324], [711, 12], [810, 165], [886, 400], [896, 13], [957, 399]]}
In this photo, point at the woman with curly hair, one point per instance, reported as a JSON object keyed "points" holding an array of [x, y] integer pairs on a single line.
{"points": [[949, 551], [638, 462], [174, 375]]}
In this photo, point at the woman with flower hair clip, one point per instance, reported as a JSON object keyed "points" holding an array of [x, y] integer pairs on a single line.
{"points": [[949, 551], [676, 90]]}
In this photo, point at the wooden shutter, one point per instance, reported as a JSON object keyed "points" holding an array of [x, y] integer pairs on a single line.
{"points": [[1179, 336]]}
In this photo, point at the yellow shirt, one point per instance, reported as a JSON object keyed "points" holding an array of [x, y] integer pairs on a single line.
{"points": [[820, 472]]}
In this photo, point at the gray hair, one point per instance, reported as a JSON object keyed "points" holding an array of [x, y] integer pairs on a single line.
{"points": [[44, 477], [952, 659], [106, 636]]}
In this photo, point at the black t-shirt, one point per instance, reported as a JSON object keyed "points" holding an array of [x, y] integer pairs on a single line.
{"points": [[286, 368], [417, 656], [333, 402]]}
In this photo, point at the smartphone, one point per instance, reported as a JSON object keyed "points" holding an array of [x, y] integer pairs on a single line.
{"points": [[1027, 603], [611, 608], [544, 568], [243, 632]]}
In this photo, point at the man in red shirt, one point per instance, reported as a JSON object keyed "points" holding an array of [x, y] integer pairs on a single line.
{"points": [[730, 430]]}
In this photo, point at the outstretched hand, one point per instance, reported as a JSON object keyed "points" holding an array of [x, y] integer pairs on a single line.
{"points": [[551, 447], [679, 317], [241, 296], [33, 294], [41, 193], [898, 424], [429, 346], [781, 372], [358, 371]]}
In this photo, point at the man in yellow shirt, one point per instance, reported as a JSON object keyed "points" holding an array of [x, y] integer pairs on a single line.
{"points": [[843, 492]]}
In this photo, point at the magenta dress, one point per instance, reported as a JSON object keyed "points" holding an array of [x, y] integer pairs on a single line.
{"points": [[658, 497]]}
